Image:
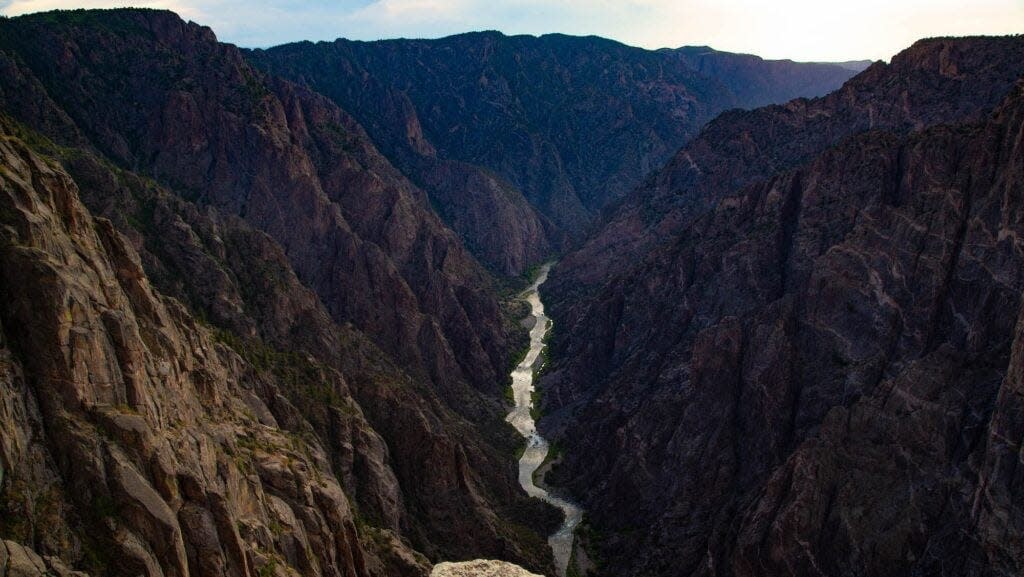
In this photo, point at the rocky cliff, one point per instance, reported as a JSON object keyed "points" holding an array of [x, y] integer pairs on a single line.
{"points": [[486, 122], [273, 229], [810, 366], [193, 115], [129, 432]]}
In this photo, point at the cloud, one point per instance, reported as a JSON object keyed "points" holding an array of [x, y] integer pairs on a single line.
{"points": [[397, 11], [799, 29]]}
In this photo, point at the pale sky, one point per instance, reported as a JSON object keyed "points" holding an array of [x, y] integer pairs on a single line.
{"points": [[797, 29]]}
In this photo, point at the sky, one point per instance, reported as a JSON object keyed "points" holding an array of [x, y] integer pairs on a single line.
{"points": [[807, 30]]}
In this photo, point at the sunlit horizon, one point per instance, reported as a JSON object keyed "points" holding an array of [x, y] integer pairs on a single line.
{"points": [[801, 30]]}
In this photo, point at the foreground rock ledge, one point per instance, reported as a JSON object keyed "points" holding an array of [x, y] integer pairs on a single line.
{"points": [[480, 568]]}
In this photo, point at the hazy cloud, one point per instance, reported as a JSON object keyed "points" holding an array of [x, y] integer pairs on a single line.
{"points": [[799, 29]]}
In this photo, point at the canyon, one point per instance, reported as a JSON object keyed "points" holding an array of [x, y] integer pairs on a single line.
{"points": [[521, 141], [284, 311], [538, 449]]}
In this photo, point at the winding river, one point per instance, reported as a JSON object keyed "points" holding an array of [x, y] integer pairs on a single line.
{"points": [[537, 446]]}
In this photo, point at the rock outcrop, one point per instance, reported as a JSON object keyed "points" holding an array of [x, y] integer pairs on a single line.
{"points": [[480, 568], [809, 368], [16, 560]]}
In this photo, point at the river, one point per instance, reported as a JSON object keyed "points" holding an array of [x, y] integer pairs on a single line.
{"points": [[537, 446]]}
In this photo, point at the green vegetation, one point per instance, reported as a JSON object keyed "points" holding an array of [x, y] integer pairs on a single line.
{"points": [[143, 220], [520, 448], [519, 355], [348, 143], [254, 91], [591, 540], [514, 310], [113, 20], [251, 443], [267, 570], [511, 288], [97, 556], [276, 528], [125, 409], [242, 461], [298, 373], [517, 358], [554, 454], [36, 141], [380, 539], [538, 370], [27, 510], [573, 570], [144, 190], [532, 273], [104, 506], [535, 400]]}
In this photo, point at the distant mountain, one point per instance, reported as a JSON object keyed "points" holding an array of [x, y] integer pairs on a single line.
{"points": [[519, 141], [796, 349], [754, 81], [855, 65]]}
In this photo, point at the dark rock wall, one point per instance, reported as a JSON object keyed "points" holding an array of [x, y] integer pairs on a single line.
{"points": [[810, 373]]}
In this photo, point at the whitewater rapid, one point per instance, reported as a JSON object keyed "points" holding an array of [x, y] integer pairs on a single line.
{"points": [[537, 446]]}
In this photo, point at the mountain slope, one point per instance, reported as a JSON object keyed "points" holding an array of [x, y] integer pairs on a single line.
{"points": [[934, 81], [811, 369], [130, 433], [266, 210], [197, 118], [568, 123]]}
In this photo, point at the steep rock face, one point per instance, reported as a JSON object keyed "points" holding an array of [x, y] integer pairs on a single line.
{"points": [[818, 374], [129, 432], [16, 560], [934, 81], [406, 429], [571, 123], [196, 117], [497, 224], [241, 281]]}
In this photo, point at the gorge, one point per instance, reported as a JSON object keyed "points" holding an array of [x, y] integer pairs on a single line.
{"points": [[261, 309], [537, 449]]}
